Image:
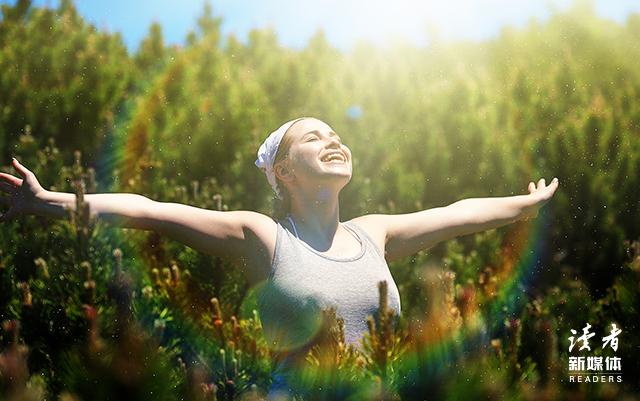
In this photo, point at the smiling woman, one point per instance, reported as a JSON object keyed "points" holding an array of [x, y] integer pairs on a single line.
{"points": [[306, 260], [302, 148], [316, 262]]}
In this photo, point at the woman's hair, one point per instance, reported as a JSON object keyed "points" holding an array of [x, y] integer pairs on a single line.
{"points": [[281, 207]]}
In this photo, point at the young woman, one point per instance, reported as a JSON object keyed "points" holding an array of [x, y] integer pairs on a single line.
{"points": [[307, 258]]}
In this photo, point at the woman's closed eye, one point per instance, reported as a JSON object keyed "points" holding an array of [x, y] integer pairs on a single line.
{"points": [[314, 137]]}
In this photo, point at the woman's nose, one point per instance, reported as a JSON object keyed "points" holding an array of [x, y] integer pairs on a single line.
{"points": [[334, 142]]}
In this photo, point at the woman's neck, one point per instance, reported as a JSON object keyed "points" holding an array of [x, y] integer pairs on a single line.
{"points": [[316, 217]]}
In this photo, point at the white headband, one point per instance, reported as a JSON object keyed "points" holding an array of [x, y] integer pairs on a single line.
{"points": [[267, 154]]}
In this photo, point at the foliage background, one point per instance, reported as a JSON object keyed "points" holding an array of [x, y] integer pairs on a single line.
{"points": [[427, 126]]}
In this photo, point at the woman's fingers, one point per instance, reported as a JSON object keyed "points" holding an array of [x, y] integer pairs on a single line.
{"points": [[542, 185], [549, 190], [554, 185], [15, 181], [22, 170]]}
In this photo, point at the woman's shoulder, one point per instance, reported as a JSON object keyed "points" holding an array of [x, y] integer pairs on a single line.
{"points": [[373, 225], [262, 226], [369, 222], [259, 231]]}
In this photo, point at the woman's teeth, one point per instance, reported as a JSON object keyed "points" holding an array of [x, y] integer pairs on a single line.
{"points": [[333, 158]]}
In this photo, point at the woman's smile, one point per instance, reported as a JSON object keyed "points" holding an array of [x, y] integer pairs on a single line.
{"points": [[334, 157]]}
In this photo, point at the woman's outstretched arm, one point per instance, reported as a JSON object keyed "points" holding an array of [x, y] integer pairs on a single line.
{"points": [[406, 234], [119, 209], [225, 234]]}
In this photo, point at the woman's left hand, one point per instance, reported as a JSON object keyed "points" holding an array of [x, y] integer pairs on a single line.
{"points": [[22, 195], [540, 195]]}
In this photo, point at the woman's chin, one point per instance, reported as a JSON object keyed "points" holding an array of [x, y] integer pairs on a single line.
{"points": [[340, 173], [337, 167]]}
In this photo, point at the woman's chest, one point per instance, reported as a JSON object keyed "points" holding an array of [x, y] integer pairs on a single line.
{"points": [[334, 284]]}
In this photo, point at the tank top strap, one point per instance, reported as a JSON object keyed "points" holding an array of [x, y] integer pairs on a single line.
{"points": [[285, 228], [293, 225], [364, 236]]}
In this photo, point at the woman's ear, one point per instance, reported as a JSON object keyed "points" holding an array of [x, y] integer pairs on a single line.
{"points": [[283, 172]]}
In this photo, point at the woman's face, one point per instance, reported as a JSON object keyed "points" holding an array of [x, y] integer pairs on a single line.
{"points": [[317, 155]]}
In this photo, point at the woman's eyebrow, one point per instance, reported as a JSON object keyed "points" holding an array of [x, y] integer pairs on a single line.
{"points": [[315, 131]]}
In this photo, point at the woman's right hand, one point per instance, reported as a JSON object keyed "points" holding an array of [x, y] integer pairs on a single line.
{"points": [[20, 195]]}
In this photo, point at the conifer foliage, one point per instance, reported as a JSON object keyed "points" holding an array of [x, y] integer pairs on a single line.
{"points": [[92, 312]]}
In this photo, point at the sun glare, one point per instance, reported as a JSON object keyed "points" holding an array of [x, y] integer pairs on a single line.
{"points": [[419, 22]]}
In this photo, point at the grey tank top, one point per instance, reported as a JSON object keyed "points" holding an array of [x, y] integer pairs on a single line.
{"points": [[302, 281]]}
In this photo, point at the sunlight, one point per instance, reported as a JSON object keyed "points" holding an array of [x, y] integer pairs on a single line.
{"points": [[382, 22]]}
